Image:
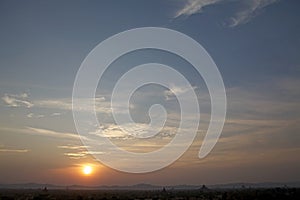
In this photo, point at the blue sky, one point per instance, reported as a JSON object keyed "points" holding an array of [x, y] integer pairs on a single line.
{"points": [[255, 44]]}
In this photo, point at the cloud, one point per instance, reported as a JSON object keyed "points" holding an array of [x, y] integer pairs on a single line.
{"points": [[265, 135], [43, 132], [252, 8], [22, 100], [4, 149], [77, 155], [51, 133], [77, 151], [55, 114], [194, 6], [102, 106], [135, 130], [176, 91], [110, 131], [290, 86], [32, 115], [19, 100], [246, 10], [81, 154], [14, 150], [265, 101], [62, 104], [72, 147]]}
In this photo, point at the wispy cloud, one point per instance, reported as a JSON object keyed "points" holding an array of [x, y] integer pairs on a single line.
{"points": [[22, 100], [133, 130], [55, 114], [77, 155], [62, 104], [43, 132], [102, 106], [72, 147], [5, 149], [252, 8], [33, 115], [77, 151], [266, 101], [81, 154], [51, 133], [175, 91], [110, 131], [194, 6], [246, 10], [19, 100], [14, 150]]}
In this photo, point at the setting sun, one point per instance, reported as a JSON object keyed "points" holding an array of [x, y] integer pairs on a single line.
{"points": [[87, 170]]}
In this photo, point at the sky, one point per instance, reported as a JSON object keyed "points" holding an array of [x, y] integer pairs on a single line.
{"points": [[254, 43]]}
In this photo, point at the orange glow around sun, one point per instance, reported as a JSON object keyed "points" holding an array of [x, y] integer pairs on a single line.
{"points": [[87, 170]]}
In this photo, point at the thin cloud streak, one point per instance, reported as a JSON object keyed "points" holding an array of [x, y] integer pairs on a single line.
{"points": [[102, 106], [252, 9], [77, 151], [43, 132], [33, 115], [175, 91], [194, 6], [14, 150], [51, 133], [249, 9], [72, 147], [20, 100], [6, 149]]}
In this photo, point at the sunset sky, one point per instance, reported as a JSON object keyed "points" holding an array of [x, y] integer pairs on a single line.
{"points": [[254, 43]]}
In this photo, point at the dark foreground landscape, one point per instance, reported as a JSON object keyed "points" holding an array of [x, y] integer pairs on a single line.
{"points": [[215, 194]]}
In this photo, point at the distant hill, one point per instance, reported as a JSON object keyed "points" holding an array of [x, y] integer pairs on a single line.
{"points": [[257, 185], [29, 186], [144, 186]]}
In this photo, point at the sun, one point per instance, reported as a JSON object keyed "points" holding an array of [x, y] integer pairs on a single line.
{"points": [[87, 170]]}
